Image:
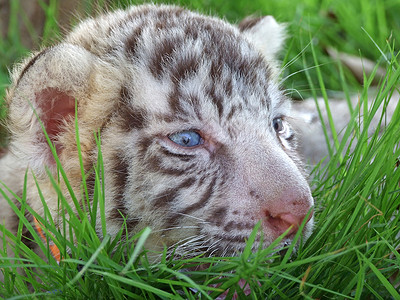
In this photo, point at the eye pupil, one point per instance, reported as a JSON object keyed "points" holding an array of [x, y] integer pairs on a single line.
{"points": [[186, 138]]}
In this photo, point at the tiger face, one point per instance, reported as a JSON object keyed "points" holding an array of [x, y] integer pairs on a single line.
{"points": [[195, 131]]}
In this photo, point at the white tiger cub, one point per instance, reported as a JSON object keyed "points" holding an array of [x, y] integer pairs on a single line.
{"points": [[195, 130]]}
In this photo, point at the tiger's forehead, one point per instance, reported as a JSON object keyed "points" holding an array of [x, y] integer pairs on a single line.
{"points": [[177, 62], [201, 96]]}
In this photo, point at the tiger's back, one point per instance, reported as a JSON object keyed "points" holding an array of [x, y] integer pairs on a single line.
{"points": [[195, 131]]}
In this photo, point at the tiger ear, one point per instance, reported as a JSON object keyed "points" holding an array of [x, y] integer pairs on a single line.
{"points": [[267, 35], [46, 87]]}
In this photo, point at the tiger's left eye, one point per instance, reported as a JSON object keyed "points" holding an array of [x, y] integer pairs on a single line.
{"points": [[186, 139], [278, 125]]}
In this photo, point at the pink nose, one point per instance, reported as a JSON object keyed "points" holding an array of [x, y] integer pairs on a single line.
{"points": [[282, 222]]}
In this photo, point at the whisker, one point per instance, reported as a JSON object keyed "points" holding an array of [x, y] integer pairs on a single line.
{"points": [[193, 217], [294, 59], [303, 70], [177, 227]]}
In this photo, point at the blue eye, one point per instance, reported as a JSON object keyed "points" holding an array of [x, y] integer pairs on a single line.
{"points": [[186, 138], [278, 125]]}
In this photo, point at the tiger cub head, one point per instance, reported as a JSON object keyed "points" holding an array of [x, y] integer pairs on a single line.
{"points": [[195, 132]]}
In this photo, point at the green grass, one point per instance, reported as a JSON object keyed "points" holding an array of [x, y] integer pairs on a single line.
{"points": [[350, 255]]}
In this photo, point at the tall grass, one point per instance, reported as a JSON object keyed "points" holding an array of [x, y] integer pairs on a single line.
{"points": [[352, 252]]}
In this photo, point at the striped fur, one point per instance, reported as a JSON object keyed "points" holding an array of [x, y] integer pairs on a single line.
{"points": [[140, 76]]}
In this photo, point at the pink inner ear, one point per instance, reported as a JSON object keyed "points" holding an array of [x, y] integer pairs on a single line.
{"points": [[55, 106]]}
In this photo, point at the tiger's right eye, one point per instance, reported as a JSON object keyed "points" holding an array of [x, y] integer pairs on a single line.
{"points": [[186, 139], [278, 125]]}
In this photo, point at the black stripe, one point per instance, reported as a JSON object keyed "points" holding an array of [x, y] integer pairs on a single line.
{"points": [[30, 63], [237, 226], [118, 213], [120, 170], [249, 22], [143, 146], [155, 165], [163, 52], [217, 100], [133, 41], [228, 87], [203, 200], [173, 101], [183, 157], [121, 173], [166, 197], [217, 217], [184, 67], [231, 113], [131, 118], [91, 182]]}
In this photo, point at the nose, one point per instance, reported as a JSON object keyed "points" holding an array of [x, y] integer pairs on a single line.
{"points": [[281, 222], [279, 192], [286, 210]]}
